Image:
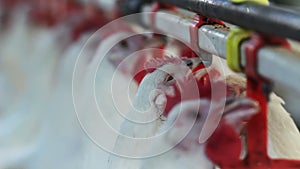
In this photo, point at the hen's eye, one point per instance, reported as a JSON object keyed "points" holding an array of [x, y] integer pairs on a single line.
{"points": [[169, 80], [124, 44], [195, 115], [188, 62]]}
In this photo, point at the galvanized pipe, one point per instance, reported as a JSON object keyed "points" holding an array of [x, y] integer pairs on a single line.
{"points": [[269, 20], [275, 63]]}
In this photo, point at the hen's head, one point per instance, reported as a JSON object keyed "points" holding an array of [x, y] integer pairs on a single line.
{"points": [[185, 122], [166, 72], [224, 147], [190, 119], [164, 75], [189, 89]]}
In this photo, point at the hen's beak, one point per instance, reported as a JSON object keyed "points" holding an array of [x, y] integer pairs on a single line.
{"points": [[194, 64]]}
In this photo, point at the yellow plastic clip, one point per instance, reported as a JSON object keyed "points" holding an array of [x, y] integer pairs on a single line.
{"points": [[235, 37], [265, 2]]}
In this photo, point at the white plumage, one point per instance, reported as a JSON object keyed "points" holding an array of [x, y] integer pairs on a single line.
{"points": [[283, 133], [183, 131], [113, 91], [30, 65], [147, 108], [282, 130], [185, 124]]}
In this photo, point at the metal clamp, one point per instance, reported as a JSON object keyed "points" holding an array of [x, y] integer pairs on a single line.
{"points": [[257, 41], [194, 29], [233, 43]]}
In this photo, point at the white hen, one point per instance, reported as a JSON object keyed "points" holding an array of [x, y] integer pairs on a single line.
{"points": [[30, 65], [144, 119], [185, 123], [109, 83]]}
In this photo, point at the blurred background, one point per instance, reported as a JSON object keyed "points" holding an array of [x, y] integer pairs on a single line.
{"points": [[39, 43]]}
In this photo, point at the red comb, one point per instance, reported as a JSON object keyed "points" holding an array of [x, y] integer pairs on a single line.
{"points": [[140, 71], [204, 89], [155, 63]]}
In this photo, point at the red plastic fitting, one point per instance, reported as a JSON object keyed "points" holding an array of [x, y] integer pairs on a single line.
{"points": [[257, 128], [199, 21]]}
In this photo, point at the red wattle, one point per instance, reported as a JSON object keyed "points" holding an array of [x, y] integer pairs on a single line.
{"points": [[224, 146], [172, 101]]}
